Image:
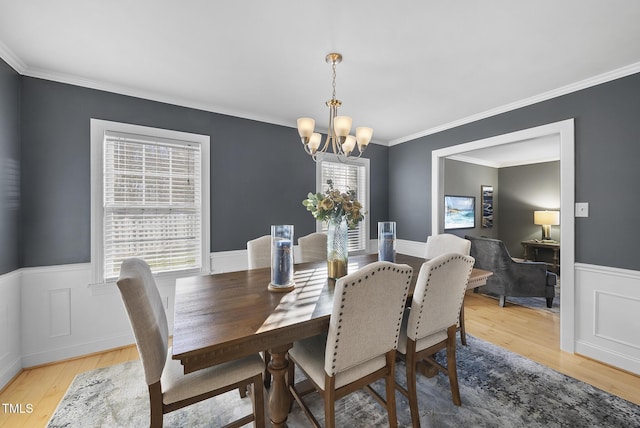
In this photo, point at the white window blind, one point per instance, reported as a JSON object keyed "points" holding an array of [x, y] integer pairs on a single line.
{"points": [[347, 176], [152, 203]]}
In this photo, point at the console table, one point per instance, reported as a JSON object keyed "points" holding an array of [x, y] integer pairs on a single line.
{"points": [[534, 247]]}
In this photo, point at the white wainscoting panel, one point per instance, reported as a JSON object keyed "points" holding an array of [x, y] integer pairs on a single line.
{"points": [[61, 294], [10, 328], [412, 248], [235, 260], [4, 330], [230, 261], [60, 312], [64, 317], [607, 321], [52, 313]]}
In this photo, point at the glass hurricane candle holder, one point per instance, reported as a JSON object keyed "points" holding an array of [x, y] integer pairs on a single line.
{"points": [[387, 241], [281, 258]]}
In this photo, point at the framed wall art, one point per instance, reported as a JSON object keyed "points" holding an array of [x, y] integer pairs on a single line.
{"points": [[487, 206], [459, 212]]}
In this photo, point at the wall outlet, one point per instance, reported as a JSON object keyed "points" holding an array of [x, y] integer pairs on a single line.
{"points": [[582, 209]]}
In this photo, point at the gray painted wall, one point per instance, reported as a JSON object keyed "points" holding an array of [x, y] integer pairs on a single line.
{"points": [[9, 168], [259, 172], [517, 192], [524, 189], [465, 179], [607, 149]]}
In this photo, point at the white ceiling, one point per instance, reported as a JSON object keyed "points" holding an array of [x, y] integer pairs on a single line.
{"points": [[523, 152], [410, 67]]}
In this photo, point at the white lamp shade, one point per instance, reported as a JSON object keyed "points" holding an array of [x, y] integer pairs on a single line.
{"points": [[314, 142], [546, 218], [349, 144], [342, 125], [306, 126], [363, 136]]}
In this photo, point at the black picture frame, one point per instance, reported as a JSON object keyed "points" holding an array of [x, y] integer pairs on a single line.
{"points": [[486, 193], [459, 212]]}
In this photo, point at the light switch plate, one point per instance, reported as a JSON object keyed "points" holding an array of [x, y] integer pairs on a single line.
{"points": [[582, 209]]}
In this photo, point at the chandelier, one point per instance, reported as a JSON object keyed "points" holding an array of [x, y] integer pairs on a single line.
{"points": [[338, 136]]}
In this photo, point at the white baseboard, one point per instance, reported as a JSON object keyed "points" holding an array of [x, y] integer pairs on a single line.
{"points": [[75, 350], [10, 371]]}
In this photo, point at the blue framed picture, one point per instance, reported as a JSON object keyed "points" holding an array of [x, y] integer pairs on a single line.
{"points": [[459, 212]]}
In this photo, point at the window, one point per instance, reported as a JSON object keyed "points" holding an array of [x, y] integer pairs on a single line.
{"points": [[347, 174], [149, 199]]}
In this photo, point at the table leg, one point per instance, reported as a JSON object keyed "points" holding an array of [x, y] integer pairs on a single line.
{"points": [[279, 395]]}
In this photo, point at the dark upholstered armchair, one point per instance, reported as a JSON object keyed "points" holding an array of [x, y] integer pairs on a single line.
{"points": [[511, 277]]}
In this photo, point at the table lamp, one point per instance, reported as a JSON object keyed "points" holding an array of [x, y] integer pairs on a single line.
{"points": [[546, 219]]}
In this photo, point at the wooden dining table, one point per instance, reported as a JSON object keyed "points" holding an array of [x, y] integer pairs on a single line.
{"points": [[226, 316]]}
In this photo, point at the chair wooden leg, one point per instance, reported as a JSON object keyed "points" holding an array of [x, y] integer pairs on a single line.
{"points": [[155, 404], [452, 370], [243, 391], [266, 374], [390, 380], [463, 331], [411, 383], [329, 401], [258, 402]]}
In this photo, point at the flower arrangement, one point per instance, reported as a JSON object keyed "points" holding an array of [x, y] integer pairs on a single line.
{"points": [[334, 205]]}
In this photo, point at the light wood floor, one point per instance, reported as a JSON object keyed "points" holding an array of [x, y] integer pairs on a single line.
{"points": [[532, 333]]}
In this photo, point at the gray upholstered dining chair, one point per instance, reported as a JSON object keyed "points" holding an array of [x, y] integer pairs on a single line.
{"points": [[169, 388], [259, 252], [430, 323], [313, 247], [359, 347], [444, 243]]}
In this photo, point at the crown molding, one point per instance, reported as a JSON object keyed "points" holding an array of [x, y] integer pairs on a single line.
{"points": [[10, 58], [16, 63], [564, 90]]}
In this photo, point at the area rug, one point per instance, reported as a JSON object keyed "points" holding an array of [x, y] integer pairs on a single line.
{"points": [[498, 389]]}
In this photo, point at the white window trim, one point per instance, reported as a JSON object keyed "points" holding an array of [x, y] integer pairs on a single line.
{"points": [[330, 157], [98, 128]]}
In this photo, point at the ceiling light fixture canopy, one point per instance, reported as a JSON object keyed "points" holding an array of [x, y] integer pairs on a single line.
{"points": [[338, 136]]}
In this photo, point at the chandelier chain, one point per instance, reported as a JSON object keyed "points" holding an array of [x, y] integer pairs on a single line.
{"points": [[334, 79]]}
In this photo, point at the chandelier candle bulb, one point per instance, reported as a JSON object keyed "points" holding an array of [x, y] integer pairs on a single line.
{"points": [[349, 144], [314, 142], [363, 137], [306, 126], [342, 125]]}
